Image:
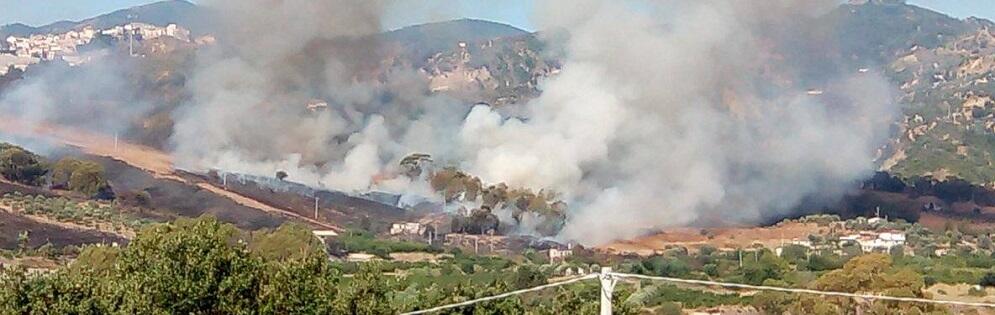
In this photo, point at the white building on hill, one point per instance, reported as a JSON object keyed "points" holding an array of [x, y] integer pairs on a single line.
{"points": [[870, 241]]}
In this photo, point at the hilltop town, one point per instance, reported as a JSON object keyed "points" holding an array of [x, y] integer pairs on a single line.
{"points": [[20, 52], [342, 168]]}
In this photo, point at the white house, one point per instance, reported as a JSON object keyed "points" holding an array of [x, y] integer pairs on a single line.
{"points": [[870, 242], [407, 228]]}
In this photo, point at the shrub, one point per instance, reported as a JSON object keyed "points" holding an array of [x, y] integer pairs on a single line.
{"points": [[669, 308], [988, 280], [20, 165]]}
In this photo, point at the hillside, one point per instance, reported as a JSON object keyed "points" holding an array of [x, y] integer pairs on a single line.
{"points": [[949, 126], [942, 69], [422, 41], [161, 13], [877, 33]]}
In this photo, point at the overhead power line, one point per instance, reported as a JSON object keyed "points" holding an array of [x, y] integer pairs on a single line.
{"points": [[609, 277], [503, 295], [805, 291]]}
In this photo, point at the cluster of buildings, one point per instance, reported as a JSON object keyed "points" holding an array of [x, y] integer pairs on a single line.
{"points": [[875, 242], [143, 31], [480, 244], [50, 46], [21, 52]]}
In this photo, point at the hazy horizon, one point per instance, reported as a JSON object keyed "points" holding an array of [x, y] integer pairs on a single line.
{"points": [[405, 13]]}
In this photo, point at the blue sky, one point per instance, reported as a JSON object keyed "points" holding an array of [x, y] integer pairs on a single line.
{"points": [[407, 12], [514, 12]]}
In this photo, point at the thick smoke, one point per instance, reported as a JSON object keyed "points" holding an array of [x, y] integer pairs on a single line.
{"points": [[98, 95], [693, 111], [248, 112], [664, 113]]}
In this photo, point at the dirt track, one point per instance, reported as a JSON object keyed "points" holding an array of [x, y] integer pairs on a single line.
{"points": [[150, 160]]}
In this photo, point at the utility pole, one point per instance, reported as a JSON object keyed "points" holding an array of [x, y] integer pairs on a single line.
{"points": [[115, 141], [315, 206], [131, 35], [607, 288]]}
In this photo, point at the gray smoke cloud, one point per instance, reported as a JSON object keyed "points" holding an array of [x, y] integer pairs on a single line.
{"points": [[668, 113], [663, 114], [248, 109], [97, 96], [103, 95]]}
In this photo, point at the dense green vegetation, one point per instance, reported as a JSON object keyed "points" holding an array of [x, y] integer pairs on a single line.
{"points": [[81, 176], [21, 166], [938, 150], [201, 265], [361, 241], [198, 266], [24, 167]]}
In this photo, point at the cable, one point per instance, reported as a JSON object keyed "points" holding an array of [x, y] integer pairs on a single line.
{"points": [[503, 295], [705, 282], [806, 291]]}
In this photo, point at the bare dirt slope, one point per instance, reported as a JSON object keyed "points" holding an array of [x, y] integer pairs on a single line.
{"points": [[40, 233], [159, 165], [727, 237]]}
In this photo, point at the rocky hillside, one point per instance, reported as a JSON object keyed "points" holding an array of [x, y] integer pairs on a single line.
{"points": [[943, 68], [876, 32], [949, 126], [498, 71]]}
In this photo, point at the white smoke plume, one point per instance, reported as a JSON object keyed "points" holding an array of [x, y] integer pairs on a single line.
{"points": [[98, 95], [247, 112], [665, 113], [662, 116]]}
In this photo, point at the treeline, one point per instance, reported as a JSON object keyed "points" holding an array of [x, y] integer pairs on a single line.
{"points": [[796, 267], [25, 167], [458, 186], [202, 266], [949, 190]]}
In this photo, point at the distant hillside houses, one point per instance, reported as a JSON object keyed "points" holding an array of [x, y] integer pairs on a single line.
{"points": [[872, 241], [21, 52], [142, 31]]}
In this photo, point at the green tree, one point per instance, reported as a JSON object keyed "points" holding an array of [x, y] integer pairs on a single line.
{"points": [[304, 285], [62, 171], [368, 293], [527, 276], [988, 280], [769, 267], [59, 293], [771, 302], [88, 179], [467, 291], [813, 305], [96, 258], [669, 308], [794, 253], [582, 298], [874, 273], [22, 166], [666, 266], [23, 241], [290, 240], [191, 266]]}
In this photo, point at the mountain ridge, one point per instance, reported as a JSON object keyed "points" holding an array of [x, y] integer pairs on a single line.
{"points": [[157, 13]]}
